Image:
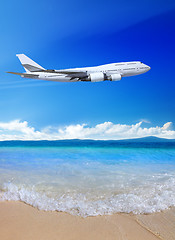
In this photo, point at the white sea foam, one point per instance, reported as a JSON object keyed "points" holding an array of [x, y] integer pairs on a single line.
{"points": [[157, 197]]}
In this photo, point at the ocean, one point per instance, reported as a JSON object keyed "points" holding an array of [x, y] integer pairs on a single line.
{"points": [[89, 178]]}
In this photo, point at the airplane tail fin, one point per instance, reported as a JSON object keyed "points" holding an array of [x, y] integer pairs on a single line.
{"points": [[28, 64]]}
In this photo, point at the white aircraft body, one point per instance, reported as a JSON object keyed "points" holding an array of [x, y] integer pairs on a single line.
{"points": [[111, 72]]}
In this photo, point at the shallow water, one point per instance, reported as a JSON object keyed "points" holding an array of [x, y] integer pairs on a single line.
{"points": [[88, 179]]}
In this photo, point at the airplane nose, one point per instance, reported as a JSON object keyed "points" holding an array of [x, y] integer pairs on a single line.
{"points": [[147, 67]]}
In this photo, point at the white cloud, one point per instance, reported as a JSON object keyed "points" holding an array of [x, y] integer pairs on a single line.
{"points": [[20, 130]]}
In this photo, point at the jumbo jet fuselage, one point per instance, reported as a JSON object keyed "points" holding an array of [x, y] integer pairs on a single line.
{"points": [[111, 72]]}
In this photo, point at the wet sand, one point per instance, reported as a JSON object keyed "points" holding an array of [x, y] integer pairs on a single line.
{"points": [[19, 221], [162, 224]]}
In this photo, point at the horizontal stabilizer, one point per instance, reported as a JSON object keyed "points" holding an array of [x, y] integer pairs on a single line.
{"points": [[27, 75]]}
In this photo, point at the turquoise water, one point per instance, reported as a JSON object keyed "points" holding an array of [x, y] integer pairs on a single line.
{"points": [[89, 178]]}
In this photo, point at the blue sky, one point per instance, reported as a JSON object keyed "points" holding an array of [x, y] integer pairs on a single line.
{"points": [[63, 34]]}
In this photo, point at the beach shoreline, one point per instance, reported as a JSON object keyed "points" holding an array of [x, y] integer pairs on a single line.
{"points": [[21, 221]]}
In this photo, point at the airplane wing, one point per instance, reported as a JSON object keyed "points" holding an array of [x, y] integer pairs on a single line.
{"points": [[71, 74]]}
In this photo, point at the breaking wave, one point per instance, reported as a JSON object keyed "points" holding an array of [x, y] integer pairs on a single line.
{"points": [[158, 197]]}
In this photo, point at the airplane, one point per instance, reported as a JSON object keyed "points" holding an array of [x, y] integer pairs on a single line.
{"points": [[111, 72]]}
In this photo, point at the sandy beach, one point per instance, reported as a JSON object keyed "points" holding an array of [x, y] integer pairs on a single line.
{"points": [[20, 221]]}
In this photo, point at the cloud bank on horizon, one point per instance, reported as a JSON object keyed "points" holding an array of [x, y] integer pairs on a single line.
{"points": [[20, 130]]}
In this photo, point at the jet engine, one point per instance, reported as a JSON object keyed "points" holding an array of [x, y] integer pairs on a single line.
{"points": [[96, 77], [115, 77]]}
